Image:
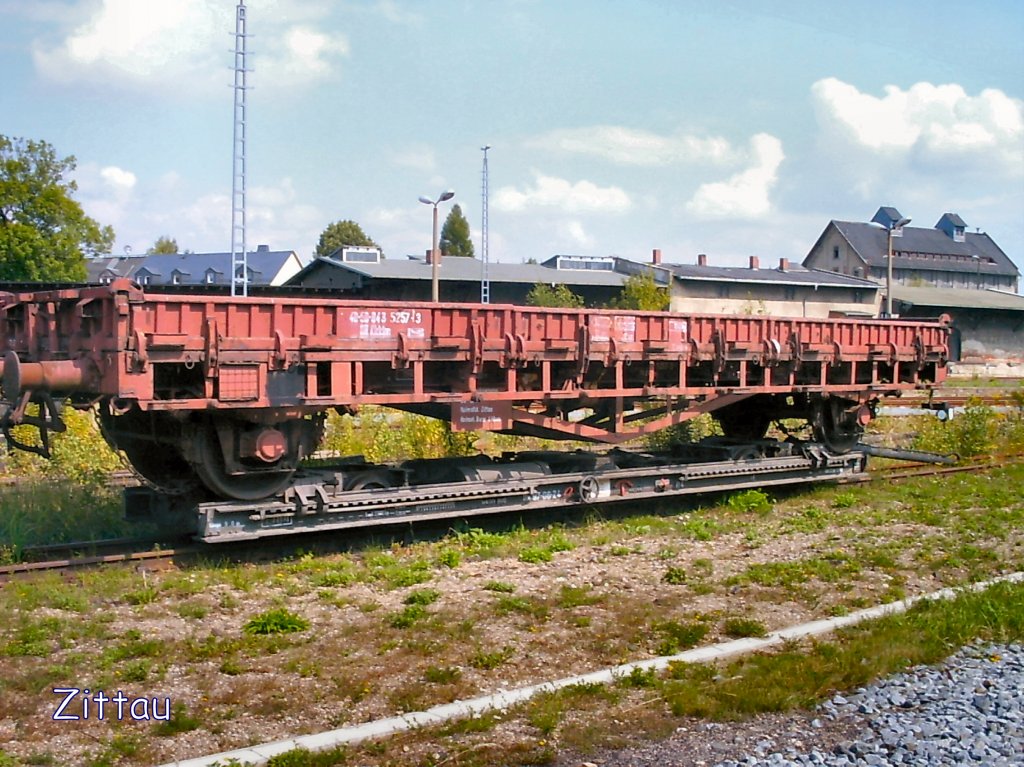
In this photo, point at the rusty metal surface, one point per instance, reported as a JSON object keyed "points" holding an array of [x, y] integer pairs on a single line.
{"points": [[293, 356]]}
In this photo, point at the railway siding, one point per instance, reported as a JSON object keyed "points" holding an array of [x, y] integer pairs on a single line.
{"points": [[401, 628]]}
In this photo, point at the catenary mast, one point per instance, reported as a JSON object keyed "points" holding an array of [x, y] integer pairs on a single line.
{"points": [[239, 253]]}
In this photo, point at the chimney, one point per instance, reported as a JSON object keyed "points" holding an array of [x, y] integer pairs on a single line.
{"points": [[656, 256], [430, 256], [755, 263], [702, 259], [783, 264]]}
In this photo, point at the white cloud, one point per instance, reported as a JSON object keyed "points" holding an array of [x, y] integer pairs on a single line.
{"points": [[118, 178], [745, 194], [576, 233], [932, 121], [551, 192], [629, 146], [184, 47]]}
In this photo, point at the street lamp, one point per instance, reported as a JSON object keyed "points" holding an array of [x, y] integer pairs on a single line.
{"points": [[445, 196], [890, 224]]}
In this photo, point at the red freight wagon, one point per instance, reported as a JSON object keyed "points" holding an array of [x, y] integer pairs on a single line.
{"points": [[232, 391]]}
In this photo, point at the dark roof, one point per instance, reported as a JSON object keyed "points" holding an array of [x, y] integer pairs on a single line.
{"points": [[931, 249], [263, 264], [953, 218], [462, 269], [793, 275], [958, 298]]}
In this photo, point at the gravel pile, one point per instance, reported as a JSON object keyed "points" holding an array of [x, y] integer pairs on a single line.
{"points": [[967, 711]]}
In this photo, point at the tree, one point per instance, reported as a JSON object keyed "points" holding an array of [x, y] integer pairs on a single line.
{"points": [[640, 291], [44, 233], [559, 295], [164, 244], [455, 239], [342, 234]]}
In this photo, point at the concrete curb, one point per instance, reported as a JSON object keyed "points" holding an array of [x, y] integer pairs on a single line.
{"points": [[257, 755]]}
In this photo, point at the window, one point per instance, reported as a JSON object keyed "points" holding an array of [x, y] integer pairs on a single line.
{"points": [[723, 291], [360, 255], [585, 263], [835, 252], [789, 293]]}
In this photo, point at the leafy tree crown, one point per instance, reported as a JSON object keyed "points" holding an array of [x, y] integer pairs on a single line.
{"points": [[164, 244], [641, 292], [341, 234], [559, 295], [44, 233], [455, 238]]}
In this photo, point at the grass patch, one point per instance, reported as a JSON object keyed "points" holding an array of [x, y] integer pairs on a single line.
{"points": [[799, 678]]}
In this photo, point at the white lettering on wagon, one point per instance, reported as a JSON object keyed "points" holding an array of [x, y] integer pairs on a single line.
{"points": [[375, 324]]}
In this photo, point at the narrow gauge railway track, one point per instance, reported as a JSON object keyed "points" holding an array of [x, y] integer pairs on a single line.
{"points": [[120, 550]]}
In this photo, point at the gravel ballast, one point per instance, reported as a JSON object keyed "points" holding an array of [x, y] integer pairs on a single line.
{"points": [[968, 710]]}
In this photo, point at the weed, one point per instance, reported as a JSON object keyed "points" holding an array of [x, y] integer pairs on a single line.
{"points": [[750, 502], [192, 610], [449, 558], [143, 596], [744, 627], [407, 616], [179, 722], [422, 597], [231, 667], [275, 621], [844, 500], [528, 606], [678, 636], [300, 757], [442, 674], [487, 661], [535, 555], [485, 722], [675, 575], [577, 596], [638, 677], [501, 587]]}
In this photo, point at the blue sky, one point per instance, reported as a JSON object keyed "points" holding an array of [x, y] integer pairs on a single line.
{"points": [[726, 128]]}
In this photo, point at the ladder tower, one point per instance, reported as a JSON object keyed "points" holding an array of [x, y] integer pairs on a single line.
{"points": [[239, 253], [485, 281]]}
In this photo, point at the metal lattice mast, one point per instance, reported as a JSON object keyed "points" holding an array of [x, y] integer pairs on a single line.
{"points": [[485, 281], [239, 253]]}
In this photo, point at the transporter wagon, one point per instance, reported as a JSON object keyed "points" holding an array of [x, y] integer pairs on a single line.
{"points": [[219, 398]]}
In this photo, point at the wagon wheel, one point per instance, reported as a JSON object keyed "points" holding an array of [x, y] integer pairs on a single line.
{"points": [[256, 483], [835, 427], [744, 421], [159, 463], [162, 466]]}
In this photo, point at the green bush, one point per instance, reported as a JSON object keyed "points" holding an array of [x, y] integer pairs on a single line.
{"points": [[79, 454], [750, 501], [381, 435], [979, 430], [276, 621]]}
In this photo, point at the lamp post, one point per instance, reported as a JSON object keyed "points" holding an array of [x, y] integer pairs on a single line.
{"points": [[445, 196], [888, 272]]}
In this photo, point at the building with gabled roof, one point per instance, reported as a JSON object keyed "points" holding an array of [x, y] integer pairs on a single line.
{"points": [[786, 290], [266, 267], [944, 256], [356, 272]]}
